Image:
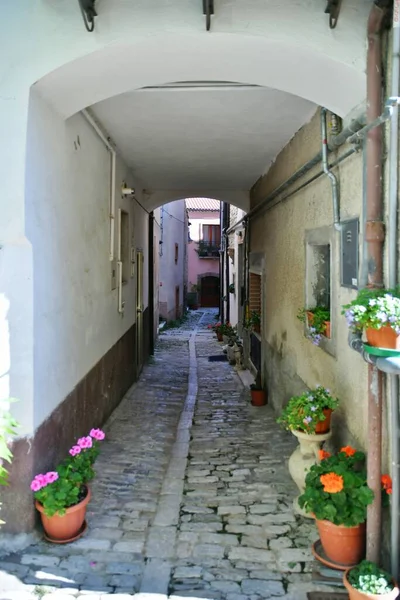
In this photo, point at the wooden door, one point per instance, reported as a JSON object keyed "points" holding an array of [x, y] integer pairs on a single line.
{"points": [[210, 291]]}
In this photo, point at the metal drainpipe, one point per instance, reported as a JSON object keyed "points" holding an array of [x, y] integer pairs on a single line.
{"points": [[374, 234], [328, 172], [392, 280]]}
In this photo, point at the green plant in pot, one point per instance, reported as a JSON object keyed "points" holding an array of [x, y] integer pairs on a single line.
{"points": [[309, 412], [258, 394], [337, 495], [63, 495], [318, 320], [254, 321], [377, 312], [368, 581]]}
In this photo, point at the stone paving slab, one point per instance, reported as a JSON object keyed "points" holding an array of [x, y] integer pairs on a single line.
{"points": [[192, 497]]}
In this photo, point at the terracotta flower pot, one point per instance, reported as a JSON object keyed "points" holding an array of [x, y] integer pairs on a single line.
{"points": [[324, 426], [65, 527], [258, 397], [357, 595], [385, 337], [344, 545], [310, 321], [219, 337]]}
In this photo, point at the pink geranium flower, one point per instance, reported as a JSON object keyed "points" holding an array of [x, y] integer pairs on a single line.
{"points": [[36, 485], [85, 442], [51, 476], [97, 434], [74, 450]]}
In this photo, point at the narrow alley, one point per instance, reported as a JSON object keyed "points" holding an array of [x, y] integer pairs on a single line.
{"points": [[192, 496]]}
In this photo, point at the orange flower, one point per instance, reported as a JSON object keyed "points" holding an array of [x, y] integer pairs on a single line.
{"points": [[388, 490], [323, 454], [332, 483], [348, 450], [386, 482]]}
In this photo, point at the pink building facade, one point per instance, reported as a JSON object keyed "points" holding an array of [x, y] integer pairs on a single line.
{"points": [[203, 252]]}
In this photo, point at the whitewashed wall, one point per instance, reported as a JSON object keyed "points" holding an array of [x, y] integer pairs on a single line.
{"points": [[76, 320]]}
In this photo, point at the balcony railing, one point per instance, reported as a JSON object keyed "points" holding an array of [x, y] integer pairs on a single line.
{"points": [[208, 249]]}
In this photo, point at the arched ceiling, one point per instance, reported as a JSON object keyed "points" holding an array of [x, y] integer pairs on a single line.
{"points": [[208, 139], [220, 139]]}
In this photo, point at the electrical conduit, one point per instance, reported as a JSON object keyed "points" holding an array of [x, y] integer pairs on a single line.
{"points": [[106, 140], [392, 281], [328, 172]]}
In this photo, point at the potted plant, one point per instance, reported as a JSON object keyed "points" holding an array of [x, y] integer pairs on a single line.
{"points": [[318, 320], [308, 417], [377, 312], [63, 495], [367, 581], [217, 328], [309, 412], [192, 297], [337, 495], [258, 394], [228, 333], [254, 321]]}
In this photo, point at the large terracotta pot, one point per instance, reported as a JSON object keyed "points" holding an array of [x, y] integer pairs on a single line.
{"points": [[344, 545], [357, 595], [258, 397], [219, 337], [65, 527], [385, 337]]}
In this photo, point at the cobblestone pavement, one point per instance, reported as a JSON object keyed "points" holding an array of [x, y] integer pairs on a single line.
{"points": [[192, 496]]}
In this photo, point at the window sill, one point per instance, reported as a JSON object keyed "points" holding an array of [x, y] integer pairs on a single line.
{"points": [[328, 345]]}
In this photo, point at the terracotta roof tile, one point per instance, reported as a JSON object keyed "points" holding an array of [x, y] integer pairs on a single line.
{"points": [[202, 204]]}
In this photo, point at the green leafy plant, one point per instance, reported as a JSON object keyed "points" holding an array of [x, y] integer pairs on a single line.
{"points": [[231, 288], [320, 316], [374, 309], [223, 329], [254, 320], [368, 578], [206, 249], [8, 429], [336, 488], [305, 411]]}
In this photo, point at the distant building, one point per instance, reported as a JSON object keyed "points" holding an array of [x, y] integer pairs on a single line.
{"points": [[173, 260], [203, 252]]}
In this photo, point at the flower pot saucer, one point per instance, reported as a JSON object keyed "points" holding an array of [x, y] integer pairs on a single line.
{"points": [[68, 541], [320, 555], [383, 352]]}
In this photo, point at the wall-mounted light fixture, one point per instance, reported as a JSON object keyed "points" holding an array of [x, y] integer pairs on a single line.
{"points": [[88, 13], [127, 191]]}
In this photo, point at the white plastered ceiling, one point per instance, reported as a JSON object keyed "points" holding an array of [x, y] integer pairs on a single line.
{"points": [[202, 139]]}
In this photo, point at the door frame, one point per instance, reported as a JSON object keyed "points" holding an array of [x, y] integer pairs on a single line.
{"points": [[139, 310]]}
